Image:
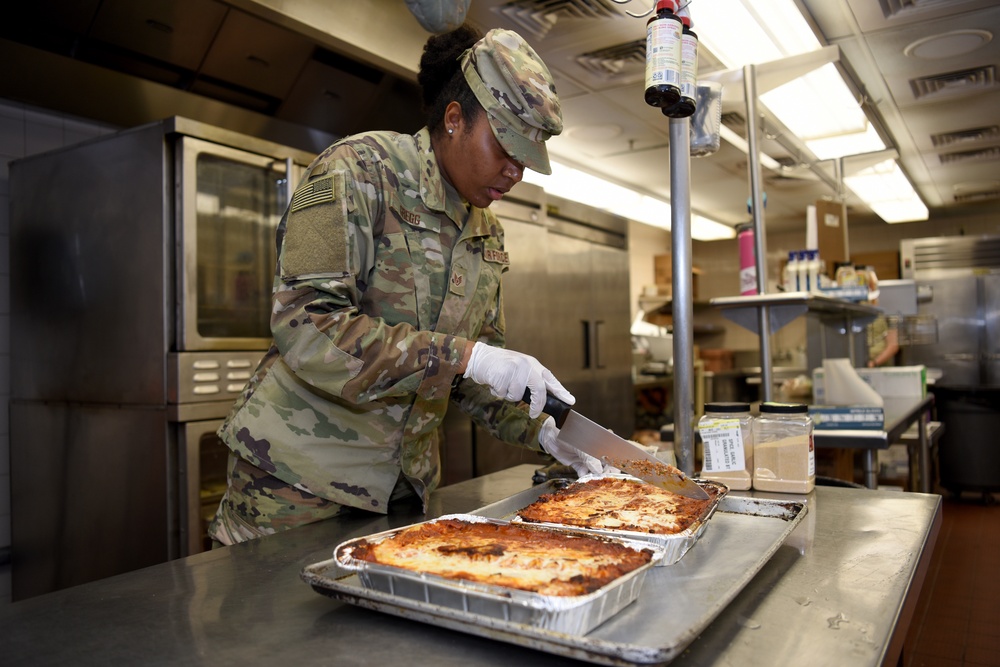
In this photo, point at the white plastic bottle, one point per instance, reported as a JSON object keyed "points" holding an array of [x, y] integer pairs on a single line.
{"points": [[812, 269], [802, 271], [790, 278]]}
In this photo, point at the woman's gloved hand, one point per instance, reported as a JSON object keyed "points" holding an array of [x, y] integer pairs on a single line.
{"points": [[583, 464], [508, 373]]}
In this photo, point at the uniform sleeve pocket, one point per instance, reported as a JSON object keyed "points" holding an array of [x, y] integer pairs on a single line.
{"points": [[316, 240]]}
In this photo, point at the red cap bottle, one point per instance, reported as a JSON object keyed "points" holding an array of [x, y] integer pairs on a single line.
{"points": [[663, 56], [685, 106]]}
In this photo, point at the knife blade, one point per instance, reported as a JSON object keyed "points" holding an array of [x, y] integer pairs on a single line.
{"points": [[591, 438]]}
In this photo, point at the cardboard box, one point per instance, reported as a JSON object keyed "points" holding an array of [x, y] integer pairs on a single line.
{"points": [[891, 382], [854, 417], [662, 269], [831, 233], [663, 274], [886, 264]]}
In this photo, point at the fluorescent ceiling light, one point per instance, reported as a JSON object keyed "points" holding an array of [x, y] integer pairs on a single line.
{"points": [[579, 186], [814, 106], [886, 190], [819, 107], [830, 148]]}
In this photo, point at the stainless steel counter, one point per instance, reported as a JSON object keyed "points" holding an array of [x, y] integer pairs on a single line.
{"points": [[840, 591]]}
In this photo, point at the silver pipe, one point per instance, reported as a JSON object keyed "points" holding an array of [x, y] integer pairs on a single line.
{"points": [[760, 240], [682, 302]]}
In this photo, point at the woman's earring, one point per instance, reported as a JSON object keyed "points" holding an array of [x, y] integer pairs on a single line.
{"points": [[451, 130]]}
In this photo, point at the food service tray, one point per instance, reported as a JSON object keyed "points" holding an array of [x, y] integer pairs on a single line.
{"points": [[674, 606], [577, 614], [674, 545]]}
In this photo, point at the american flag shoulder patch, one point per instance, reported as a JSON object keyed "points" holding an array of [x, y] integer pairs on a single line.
{"points": [[312, 193]]}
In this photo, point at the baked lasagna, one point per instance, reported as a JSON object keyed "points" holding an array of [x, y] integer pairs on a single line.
{"points": [[615, 503], [546, 562]]}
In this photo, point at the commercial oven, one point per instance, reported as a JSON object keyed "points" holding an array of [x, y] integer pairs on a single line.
{"points": [[141, 273]]}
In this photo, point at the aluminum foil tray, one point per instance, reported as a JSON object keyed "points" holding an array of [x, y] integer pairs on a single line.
{"points": [[567, 614], [675, 605], [674, 546]]}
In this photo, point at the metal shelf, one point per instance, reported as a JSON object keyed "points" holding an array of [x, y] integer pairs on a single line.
{"points": [[787, 306]]}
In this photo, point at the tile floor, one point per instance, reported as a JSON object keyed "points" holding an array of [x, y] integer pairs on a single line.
{"points": [[957, 621]]}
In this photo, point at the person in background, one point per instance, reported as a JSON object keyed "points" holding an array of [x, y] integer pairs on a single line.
{"points": [[387, 302], [883, 337], [883, 343]]}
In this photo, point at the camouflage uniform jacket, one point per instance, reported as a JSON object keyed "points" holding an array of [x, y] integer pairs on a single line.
{"points": [[384, 274]]}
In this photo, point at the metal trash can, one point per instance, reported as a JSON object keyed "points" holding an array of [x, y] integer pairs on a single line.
{"points": [[969, 449]]}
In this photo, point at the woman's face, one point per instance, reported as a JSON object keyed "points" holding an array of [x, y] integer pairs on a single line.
{"points": [[473, 161]]}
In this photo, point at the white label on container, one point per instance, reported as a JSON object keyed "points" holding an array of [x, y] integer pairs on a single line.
{"points": [[689, 66], [723, 443], [663, 53], [748, 280]]}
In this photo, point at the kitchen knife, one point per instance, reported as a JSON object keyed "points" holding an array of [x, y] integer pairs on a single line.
{"points": [[590, 438]]}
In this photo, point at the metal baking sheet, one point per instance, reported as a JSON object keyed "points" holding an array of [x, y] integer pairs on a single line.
{"points": [[577, 614], [674, 546], [674, 606]]}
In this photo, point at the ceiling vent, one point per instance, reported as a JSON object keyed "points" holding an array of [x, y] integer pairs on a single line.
{"points": [[973, 197], [615, 60], [981, 155], [898, 8], [963, 81], [970, 136], [736, 122], [538, 16]]}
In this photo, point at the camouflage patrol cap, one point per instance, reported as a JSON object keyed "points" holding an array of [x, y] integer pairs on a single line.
{"points": [[516, 90]]}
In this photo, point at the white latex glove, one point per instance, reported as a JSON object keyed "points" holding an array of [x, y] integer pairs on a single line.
{"points": [[583, 464], [508, 374]]}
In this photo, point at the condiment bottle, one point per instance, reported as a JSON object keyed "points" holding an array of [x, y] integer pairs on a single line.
{"points": [[689, 70], [784, 454], [663, 56], [812, 269], [790, 276], [726, 431]]}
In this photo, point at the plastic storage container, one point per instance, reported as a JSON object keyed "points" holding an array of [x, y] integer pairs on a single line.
{"points": [[784, 454], [727, 437]]}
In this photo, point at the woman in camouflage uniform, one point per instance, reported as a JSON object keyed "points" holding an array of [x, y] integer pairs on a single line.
{"points": [[387, 302]]}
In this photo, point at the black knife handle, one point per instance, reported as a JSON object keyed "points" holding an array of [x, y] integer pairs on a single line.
{"points": [[555, 408]]}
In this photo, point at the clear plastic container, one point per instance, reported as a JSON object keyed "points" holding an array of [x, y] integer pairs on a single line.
{"points": [[726, 431], [784, 453], [706, 123]]}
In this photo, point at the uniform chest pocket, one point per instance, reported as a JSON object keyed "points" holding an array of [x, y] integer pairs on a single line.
{"points": [[390, 292], [407, 282]]}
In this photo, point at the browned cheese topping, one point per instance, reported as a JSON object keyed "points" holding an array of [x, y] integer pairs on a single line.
{"points": [[541, 561], [610, 503]]}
